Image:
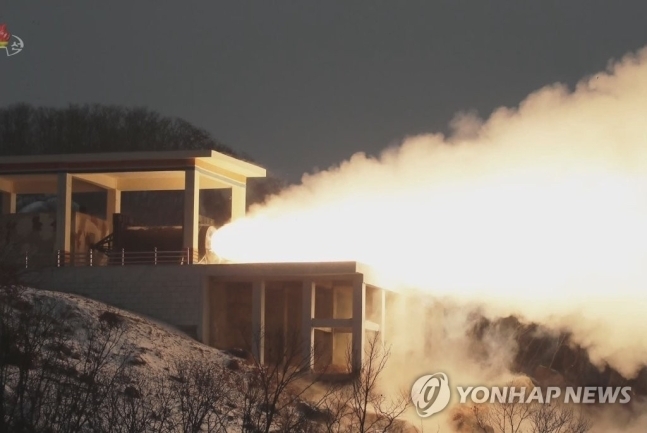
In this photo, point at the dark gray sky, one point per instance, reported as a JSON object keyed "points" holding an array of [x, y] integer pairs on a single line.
{"points": [[304, 84]]}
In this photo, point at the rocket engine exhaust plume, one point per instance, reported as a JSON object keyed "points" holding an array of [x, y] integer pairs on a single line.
{"points": [[538, 211]]}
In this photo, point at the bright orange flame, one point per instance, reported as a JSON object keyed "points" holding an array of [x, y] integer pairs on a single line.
{"points": [[540, 211], [506, 236]]}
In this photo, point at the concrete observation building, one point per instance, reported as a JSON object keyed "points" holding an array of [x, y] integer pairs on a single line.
{"points": [[327, 306]]}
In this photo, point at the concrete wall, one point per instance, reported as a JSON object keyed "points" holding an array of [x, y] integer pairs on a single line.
{"points": [[87, 230], [230, 315], [173, 294]]}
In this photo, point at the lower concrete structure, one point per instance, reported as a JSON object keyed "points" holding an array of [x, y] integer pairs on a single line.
{"points": [[328, 308]]}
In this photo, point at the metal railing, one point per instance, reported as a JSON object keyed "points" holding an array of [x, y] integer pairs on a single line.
{"points": [[187, 256], [121, 258]]}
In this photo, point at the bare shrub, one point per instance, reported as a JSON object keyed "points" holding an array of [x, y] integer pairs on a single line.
{"points": [[360, 406], [271, 390], [138, 403], [202, 393], [519, 417], [46, 382]]}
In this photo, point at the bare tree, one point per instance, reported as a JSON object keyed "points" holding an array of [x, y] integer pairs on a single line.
{"points": [[25, 331], [94, 374], [202, 390], [360, 406], [273, 389], [46, 380], [557, 418], [97, 128], [520, 417], [64, 371], [507, 417], [140, 403]]}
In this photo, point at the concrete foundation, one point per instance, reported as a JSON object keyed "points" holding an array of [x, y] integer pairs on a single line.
{"points": [[323, 310]]}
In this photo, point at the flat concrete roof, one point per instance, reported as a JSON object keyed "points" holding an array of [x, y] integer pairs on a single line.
{"points": [[126, 171], [291, 270]]}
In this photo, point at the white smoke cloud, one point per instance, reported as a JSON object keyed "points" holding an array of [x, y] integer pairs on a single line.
{"points": [[620, 420], [538, 211]]}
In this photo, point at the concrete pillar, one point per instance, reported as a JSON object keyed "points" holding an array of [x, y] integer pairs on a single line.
{"points": [[238, 202], [205, 323], [8, 203], [64, 213], [113, 205], [287, 338], [359, 317], [343, 309], [335, 302], [307, 314], [221, 335], [258, 321], [191, 208]]}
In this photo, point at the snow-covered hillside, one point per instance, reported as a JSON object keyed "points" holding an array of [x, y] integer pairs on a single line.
{"points": [[107, 367]]}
